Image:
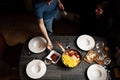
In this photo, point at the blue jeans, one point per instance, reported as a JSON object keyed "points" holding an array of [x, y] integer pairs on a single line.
{"points": [[48, 23]]}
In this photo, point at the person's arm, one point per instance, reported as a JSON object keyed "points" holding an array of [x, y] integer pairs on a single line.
{"points": [[45, 34], [60, 5]]}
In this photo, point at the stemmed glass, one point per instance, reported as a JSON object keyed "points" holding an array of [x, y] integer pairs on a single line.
{"points": [[107, 61], [100, 46], [100, 49]]}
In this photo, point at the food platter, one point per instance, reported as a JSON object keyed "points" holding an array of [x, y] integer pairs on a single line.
{"points": [[71, 58], [85, 42]]}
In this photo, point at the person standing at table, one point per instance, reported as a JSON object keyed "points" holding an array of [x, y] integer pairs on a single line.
{"points": [[46, 11]]}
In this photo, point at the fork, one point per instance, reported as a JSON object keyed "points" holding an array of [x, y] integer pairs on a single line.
{"points": [[108, 73]]}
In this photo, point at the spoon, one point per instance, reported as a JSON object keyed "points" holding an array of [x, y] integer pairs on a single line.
{"points": [[67, 44]]}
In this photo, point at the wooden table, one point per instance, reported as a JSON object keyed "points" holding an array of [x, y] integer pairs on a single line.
{"points": [[56, 71]]}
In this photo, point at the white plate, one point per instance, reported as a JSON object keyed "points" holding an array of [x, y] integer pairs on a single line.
{"points": [[85, 42], [36, 69], [96, 72], [37, 44]]}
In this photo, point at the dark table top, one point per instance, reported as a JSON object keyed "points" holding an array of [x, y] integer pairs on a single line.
{"points": [[56, 71]]}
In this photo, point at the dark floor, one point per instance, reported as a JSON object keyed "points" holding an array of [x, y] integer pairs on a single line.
{"points": [[16, 27]]}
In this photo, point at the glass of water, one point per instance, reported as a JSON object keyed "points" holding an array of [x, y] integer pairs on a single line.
{"points": [[107, 61]]}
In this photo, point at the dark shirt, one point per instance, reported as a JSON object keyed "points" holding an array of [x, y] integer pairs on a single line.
{"points": [[42, 10]]}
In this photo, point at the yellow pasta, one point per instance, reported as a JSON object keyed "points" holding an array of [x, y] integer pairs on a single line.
{"points": [[70, 61]]}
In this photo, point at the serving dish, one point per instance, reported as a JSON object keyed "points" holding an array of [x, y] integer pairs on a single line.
{"points": [[90, 56], [52, 57], [70, 57]]}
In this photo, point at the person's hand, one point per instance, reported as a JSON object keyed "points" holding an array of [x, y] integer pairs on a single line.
{"points": [[61, 6], [49, 46]]}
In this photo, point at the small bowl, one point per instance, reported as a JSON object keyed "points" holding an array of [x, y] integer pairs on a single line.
{"points": [[52, 57]]}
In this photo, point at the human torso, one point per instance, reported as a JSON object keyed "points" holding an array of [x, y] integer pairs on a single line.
{"points": [[42, 10]]}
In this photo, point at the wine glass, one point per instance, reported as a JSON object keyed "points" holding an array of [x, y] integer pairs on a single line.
{"points": [[107, 61], [100, 46]]}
